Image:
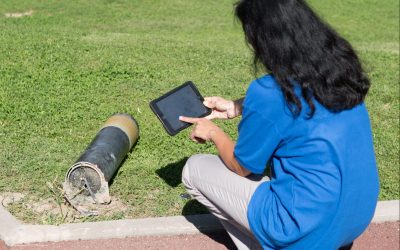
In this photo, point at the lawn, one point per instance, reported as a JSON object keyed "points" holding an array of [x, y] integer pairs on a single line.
{"points": [[66, 66]]}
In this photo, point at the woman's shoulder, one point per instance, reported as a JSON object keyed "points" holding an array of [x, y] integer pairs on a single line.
{"points": [[266, 83], [265, 98], [264, 90]]}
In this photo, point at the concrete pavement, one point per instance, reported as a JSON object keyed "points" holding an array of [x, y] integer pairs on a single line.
{"points": [[177, 232], [378, 236]]}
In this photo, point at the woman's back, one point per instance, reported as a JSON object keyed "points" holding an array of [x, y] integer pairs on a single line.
{"points": [[324, 182]]}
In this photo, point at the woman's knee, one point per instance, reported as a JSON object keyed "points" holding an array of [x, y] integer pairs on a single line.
{"points": [[191, 168]]}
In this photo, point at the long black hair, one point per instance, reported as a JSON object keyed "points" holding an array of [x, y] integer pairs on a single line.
{"points": [[297, 47]]}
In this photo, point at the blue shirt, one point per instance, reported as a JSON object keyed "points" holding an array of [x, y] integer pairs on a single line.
{"points": [[324, 185]]}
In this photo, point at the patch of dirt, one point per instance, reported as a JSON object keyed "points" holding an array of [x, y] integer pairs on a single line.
{"points": [[386, 106], [8, 198], [19, 14], [48, 205], [115, 206], [54, 210]]}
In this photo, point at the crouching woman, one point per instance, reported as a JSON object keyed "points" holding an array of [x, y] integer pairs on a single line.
{"points": [[305, 120]]}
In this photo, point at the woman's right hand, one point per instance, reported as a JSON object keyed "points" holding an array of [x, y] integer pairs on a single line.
{"points": [[222, 108]]}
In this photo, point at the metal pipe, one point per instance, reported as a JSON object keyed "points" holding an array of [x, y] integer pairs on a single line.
{"points": [[86, 182]]}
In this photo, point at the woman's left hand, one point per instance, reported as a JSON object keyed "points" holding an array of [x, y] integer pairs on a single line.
{"points": [[203, 128]]}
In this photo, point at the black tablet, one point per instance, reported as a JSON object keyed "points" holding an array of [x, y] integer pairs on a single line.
{"points": [[184, 100]]}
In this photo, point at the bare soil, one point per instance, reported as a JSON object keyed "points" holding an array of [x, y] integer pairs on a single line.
{"points": [[19, 14], [53, 210]]}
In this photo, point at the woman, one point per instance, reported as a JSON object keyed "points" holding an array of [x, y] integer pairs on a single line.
{"points": [[307, 121]]}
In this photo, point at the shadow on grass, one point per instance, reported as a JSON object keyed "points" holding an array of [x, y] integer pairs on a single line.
{"points": [[172, 173], [194, 207]]}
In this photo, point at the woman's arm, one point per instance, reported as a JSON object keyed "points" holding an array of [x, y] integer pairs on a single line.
{"points": [[225, 147], [206, 130]]}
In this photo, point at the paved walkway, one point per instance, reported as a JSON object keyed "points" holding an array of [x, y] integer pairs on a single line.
{"points": [[377, 236]]}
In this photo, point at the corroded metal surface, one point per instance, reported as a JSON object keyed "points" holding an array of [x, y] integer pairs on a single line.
{"points": [[86, 182]]}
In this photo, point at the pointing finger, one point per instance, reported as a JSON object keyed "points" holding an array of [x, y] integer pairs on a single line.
{"points": [[188, 119]]}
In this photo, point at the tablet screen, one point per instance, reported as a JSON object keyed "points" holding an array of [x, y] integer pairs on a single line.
{"points": [[184, 100]]}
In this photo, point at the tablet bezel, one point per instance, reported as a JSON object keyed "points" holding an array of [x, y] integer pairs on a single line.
{"points": [[158, 113]]}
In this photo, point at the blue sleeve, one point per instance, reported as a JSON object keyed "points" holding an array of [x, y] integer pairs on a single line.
{"points": [[258, 139]]}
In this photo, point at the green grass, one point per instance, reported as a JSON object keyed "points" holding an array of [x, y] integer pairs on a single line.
{"points": [[68, 67]]}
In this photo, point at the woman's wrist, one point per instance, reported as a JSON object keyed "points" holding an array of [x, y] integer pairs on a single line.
{"points": [[213, 134], [237, 105]]}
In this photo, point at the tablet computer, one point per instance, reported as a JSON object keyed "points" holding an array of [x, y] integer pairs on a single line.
{"points": [[184, 100]]}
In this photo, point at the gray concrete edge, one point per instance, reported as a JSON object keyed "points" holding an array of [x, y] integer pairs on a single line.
{"points": [[14, 232]]}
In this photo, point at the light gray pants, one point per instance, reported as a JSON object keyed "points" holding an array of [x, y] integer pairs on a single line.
{"points": [[224, 193]]}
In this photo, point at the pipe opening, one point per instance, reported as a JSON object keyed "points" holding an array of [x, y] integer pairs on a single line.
{"points": [[85, 177]]}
